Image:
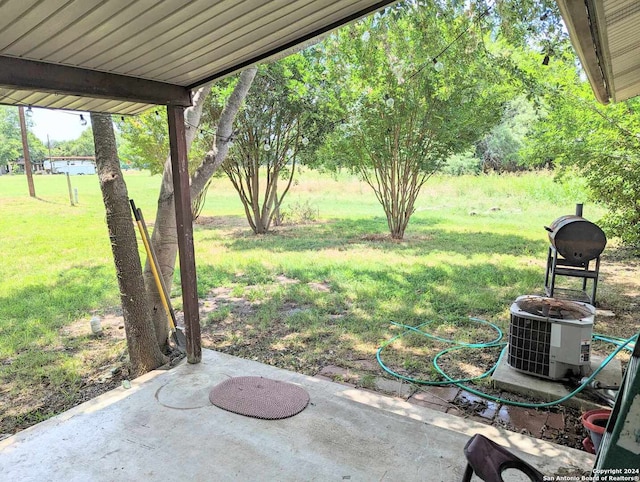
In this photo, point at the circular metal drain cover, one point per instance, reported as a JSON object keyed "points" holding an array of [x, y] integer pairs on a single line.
{"points": [[259, 397]]}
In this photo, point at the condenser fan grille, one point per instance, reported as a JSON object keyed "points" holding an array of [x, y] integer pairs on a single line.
{"points": [[529, 344]]}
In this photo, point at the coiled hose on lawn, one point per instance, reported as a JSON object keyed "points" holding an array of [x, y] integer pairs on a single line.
{"points": [[621, 344]]}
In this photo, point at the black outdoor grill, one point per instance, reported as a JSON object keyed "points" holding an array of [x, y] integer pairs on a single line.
{"points": [[575, 243]]}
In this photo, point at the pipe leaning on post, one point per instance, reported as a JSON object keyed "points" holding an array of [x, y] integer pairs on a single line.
{"points": [[177, 335]]}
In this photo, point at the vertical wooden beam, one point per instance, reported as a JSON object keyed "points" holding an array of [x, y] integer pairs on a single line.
{"points": [[184, 225], [69, 185], [25, 150]]}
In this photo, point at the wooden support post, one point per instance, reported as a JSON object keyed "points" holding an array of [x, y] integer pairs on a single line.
{"points": [[184, 225], [69, 185], [25, 150]]}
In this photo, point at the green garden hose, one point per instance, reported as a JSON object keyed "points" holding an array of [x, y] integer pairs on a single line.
{"points": [[619, 342]]}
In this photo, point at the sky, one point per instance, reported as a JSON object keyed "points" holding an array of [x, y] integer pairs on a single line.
{"points": [[60, 125]]}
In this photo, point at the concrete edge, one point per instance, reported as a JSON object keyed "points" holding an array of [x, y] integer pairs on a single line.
{"points": [[518, 443], [93, 405]]}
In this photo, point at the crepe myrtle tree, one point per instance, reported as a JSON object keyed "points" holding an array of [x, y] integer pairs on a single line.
{"points": [[405, 111], [280, 124]]}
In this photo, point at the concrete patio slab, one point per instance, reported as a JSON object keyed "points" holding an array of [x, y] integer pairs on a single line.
{"points": [[165, 428], [511, 380]]}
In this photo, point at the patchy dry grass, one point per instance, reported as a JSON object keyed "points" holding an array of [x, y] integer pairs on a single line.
{"points": [[74, 368]]}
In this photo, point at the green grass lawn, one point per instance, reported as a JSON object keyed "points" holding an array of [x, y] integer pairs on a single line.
{"points": [[317, 293], [473, 246]]}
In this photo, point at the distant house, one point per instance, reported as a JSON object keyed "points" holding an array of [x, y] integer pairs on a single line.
{"points": [[74, 165], [36, 166]]}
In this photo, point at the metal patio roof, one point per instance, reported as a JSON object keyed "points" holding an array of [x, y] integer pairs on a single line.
{"points": [[122, 56], [606, 36]]}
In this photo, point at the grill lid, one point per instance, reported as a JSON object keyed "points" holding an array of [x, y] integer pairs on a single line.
{"points": [[576, 239]]}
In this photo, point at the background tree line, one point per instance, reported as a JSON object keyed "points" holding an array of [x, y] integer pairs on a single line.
{"points": [[11, 141]]}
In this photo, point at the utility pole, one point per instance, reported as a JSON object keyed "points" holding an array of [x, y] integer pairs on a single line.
{"points": [[25, 149]]}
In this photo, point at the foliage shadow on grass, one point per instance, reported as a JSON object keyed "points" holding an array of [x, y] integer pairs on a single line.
{"points": [[383, 295], [37, 360], [301, 328], [348, 234], [205, 223]]}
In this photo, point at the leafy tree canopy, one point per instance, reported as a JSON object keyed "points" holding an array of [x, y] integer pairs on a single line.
{"points": [[82, 146], [10, 143], [501, 149], [601, 143], [144, 139], [11, 138], [417, 84]]}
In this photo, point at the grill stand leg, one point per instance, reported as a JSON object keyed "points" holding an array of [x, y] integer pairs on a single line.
{"points": [[595, 282], [584, 280], [556, 266], [550, 276]]}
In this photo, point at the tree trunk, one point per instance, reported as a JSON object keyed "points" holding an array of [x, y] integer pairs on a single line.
{"points": [[164, 237], [141, 338]]}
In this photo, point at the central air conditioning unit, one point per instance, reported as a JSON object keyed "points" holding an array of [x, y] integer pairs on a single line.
{"points": [[550, 338]]}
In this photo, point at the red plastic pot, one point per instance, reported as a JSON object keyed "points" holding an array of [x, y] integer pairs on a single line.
{"points": [[595, 421]]}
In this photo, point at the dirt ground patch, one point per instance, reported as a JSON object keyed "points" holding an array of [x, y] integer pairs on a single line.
{"points": [[98, 363]]}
